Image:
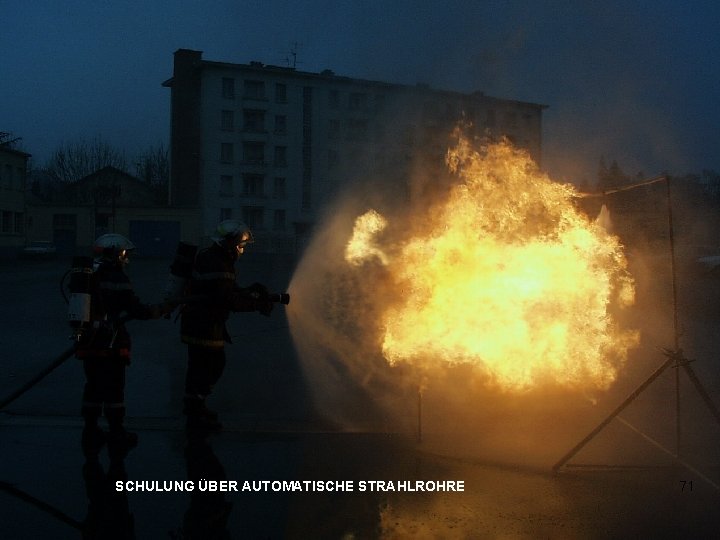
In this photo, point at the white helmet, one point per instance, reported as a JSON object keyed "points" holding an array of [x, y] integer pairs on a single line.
{"points": [[234, 233], [113, 247]]}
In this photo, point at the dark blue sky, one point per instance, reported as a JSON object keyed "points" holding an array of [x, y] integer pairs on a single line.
{"points": [[637, 82]]}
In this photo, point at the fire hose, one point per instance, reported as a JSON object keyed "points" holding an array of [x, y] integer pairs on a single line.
{"points": [[47, 370], [37, 378], [42, 505], [281, 298]]}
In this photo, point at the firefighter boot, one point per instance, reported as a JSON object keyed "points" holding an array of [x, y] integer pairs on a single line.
{"points": [[199, 417], [119, 440], [92, 441], [93, 437], [211, 415]]}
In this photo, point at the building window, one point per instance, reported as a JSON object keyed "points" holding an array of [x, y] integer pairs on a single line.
{"points": [[279, 220], [280, 156], [431, 111], [254, 90], [357, 129], [469, 112], [253, 120], [334, 99], [226, 152], [280, 93], [280, 124], [379, 102], [226, 185], [253, 216], [490, 118], [7, 222], [228, 88], [408, 136], [225, 213], [227, 120], [279, 187], [67, 222], [102, 222], [253, 185], [19, 222], [357, 101], [332, 159], [9, 176], [510, 118], [254, 152], [333, 129]]}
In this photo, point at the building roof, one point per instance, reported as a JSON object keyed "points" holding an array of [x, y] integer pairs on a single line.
{"points": [[329, 75], [7, 149]]}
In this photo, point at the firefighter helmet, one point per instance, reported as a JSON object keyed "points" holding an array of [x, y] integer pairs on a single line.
{"points": [[234, 234], [113, 247]]}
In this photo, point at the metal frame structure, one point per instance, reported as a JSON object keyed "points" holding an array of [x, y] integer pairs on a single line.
{"points": [[674, 358]]}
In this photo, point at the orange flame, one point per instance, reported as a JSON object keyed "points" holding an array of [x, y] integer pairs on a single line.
{"points": [[506, 275]]}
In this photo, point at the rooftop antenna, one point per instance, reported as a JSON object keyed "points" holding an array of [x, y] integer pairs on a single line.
{"points": [[291, 59]]}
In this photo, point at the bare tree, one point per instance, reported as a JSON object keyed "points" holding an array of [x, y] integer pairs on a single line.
{"points": [[8, 140], [73, 161], [153, 166]]}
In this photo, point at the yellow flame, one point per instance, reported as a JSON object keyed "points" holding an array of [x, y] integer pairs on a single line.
{"points": [[507, 275]]}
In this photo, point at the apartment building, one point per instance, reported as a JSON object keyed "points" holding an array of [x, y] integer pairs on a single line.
{"points": [[273, 145]]}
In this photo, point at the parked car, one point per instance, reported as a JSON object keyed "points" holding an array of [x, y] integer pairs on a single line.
{"points": [[40, 249]]}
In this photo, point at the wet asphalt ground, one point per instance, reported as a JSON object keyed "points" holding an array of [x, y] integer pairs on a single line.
{"points": [[273, 434]]}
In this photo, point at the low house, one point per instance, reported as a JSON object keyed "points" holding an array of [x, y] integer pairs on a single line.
{"points": [[108, 200]]}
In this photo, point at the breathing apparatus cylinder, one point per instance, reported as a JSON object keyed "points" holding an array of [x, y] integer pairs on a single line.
{"points": [[80, 302], [180, 271]]}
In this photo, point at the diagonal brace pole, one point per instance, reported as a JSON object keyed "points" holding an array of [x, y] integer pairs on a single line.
{"points": [[701, 390], [567, 457]]}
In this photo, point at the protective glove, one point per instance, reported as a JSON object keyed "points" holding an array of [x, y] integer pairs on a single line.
{"points": [[261, 298], [258, 291]]}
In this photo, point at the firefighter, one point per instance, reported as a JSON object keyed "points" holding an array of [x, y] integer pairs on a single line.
{"points": [[202, 325], [104, 347]]}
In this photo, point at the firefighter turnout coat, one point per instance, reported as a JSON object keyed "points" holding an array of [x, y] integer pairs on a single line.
{"points": [[114, 301], [213, 286]]}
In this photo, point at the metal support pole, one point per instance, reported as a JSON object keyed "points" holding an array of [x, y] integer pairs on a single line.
{"points": [[676, 332], [701, 390], [419, 414]]}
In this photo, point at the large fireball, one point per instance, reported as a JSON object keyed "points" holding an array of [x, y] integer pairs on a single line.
{"points": [[505, 274]]}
